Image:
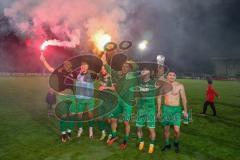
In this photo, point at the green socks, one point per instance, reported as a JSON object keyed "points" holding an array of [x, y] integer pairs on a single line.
{"points": [[167, 142], [101, 125], [152, 142], [140, 139], [176, 141], [126, 137], [114, 133], [79, 124], [63, 125], [90, 123], [70, 125]]}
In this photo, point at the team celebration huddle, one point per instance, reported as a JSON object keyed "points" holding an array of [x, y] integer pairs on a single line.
{"points": [[112, 89]]}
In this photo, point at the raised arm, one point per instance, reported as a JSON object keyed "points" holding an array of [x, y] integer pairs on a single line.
{"points": [[43, 60], [104, 59], [111, 71], [184, 100]]}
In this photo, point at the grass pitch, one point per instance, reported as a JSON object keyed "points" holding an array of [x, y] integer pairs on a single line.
{"points": [[26, 132]]}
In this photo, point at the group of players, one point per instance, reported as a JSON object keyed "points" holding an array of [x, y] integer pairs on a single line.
{"points": [[149, 105]]}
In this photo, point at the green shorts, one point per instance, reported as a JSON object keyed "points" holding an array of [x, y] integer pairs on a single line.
{"points": [[106, 111], [123, 109], [146, 114], [82, 105], [61, 98], [64, 104], [103, 114], [171, 115]]}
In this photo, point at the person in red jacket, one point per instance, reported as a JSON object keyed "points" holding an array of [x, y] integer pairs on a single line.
{"points": [[210, 97]]}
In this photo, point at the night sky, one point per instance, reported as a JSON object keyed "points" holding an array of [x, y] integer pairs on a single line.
{"points": [[194, 32]]}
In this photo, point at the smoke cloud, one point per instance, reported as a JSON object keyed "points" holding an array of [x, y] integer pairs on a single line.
{"points": [[66, 20], [189, 33]]}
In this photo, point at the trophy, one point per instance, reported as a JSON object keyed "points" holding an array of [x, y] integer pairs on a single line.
{"points": [[160, 62]]}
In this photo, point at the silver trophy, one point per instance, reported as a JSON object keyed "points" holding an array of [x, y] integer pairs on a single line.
{"points": [[160, 60]]}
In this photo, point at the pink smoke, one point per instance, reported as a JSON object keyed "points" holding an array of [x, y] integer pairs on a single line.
{"points": [[66, 23]]}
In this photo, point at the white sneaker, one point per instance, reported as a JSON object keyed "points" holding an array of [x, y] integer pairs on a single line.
{"points": [[80, 130], [103, 135], [109, 137], [90, 132]]}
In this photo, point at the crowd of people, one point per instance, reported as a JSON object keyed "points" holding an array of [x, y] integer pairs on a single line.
{"points": [[169, 107]]}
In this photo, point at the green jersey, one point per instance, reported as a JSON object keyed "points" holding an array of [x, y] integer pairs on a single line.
{"points": [[146, 91], [106, 81], [123, 84], [146, 107]]}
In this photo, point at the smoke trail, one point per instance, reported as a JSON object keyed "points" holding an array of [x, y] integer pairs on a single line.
{"points": [[189, 32], [66, 20]]}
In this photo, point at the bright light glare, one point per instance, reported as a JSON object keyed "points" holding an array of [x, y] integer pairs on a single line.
{"points": [[143, 45]]}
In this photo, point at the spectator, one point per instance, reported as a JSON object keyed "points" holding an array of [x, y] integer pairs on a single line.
{"points": [[51, 100], [210, 98]]}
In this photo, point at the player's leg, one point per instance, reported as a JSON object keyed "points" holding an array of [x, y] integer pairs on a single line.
{"points": [[70, 129], [152, 140], [79, 113], [176, 138], [108, 128], [63, 110], [140, 121], [213, 108], [176, 127], [101, 122], [114, 119], [126, 118], [79, 124], [113, 136], [70, 125], [63, 129], [140, 138], [102, 128], [166, 135], [151, 121], [90, 108], [205, 105], [71, 120], [90, 124], [166, 114]]}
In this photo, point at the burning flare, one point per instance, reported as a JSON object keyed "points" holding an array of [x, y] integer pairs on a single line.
{"points": [[100, 38], [55, 42]]}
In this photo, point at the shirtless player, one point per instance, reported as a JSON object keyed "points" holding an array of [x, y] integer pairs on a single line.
{"points": [[171, 111]]}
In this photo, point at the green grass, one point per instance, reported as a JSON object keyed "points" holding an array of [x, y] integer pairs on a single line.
{"points": [[27, 133]]}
